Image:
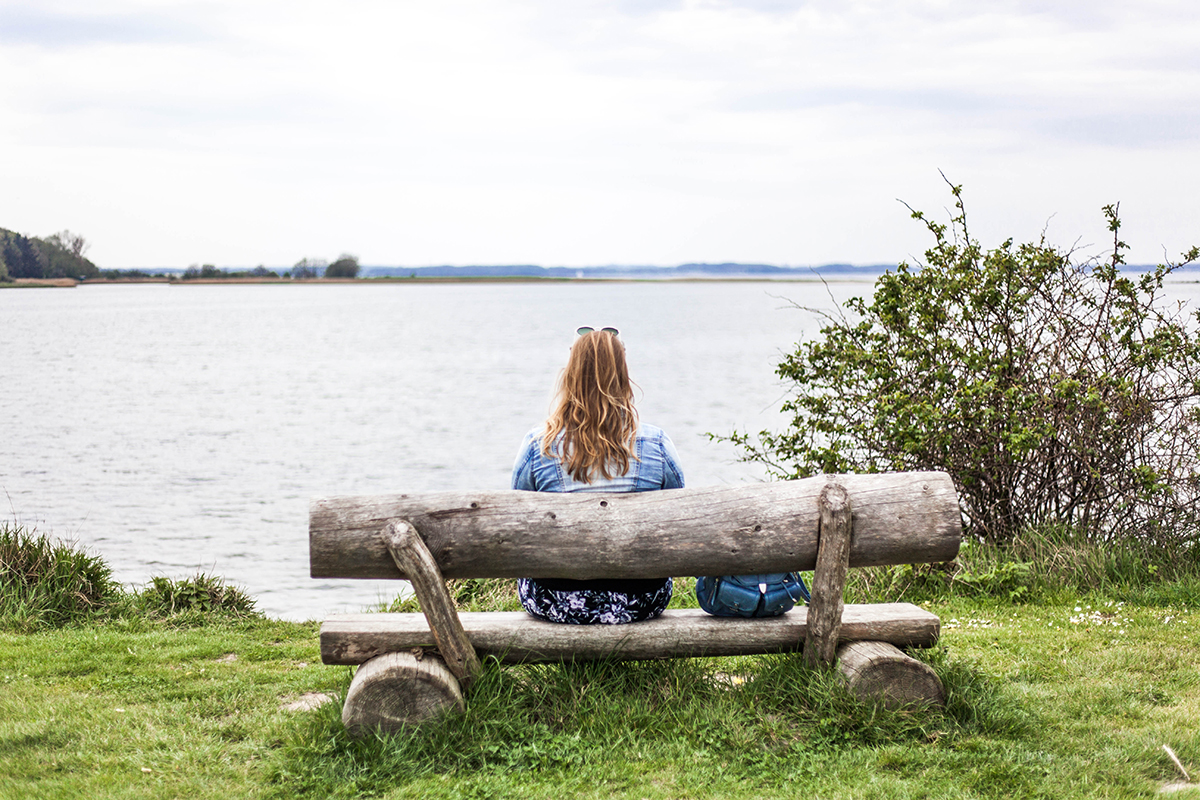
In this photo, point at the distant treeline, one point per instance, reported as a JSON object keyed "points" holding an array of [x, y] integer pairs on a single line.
{"points": [[628, 271], [61, 255], [210, 272], [306, 268]]}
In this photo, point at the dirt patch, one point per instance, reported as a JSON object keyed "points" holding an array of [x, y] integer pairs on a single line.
{"points": [[306, 702]]}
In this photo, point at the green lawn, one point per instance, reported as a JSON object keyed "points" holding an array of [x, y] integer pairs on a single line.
{"points": [[1070, 699]]}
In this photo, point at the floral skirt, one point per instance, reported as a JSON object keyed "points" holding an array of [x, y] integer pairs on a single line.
{"points": [[591, 607]]}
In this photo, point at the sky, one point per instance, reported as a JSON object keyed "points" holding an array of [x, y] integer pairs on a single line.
{"points": [[594, 132]]}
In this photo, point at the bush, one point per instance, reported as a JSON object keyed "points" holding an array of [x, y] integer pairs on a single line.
{"points": [[44, 583], [1053, 392], [345, 267], [195, 599]]}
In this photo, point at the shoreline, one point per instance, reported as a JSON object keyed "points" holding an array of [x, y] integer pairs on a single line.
{"points": [[71, 283]]}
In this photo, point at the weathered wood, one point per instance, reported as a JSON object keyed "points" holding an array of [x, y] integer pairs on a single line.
{"points": [[411, 555], [829, 580], [515, 637], [396, 689], [880, 671], [901, 518]]}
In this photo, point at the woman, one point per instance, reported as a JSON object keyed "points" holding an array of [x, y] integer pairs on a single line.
{"points": [[593, 442]]}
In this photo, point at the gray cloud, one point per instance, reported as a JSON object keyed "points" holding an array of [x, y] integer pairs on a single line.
{"points": [[1123, 130], [46, 28], [927, 99]]}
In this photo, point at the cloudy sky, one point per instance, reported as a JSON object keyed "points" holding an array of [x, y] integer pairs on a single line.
{"points": [[593, 131]]}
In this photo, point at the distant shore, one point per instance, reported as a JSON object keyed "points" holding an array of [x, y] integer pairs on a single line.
{"points": [[69, 283], [48, 283]]}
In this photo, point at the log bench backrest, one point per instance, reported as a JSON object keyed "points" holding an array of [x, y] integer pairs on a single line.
{"points": [[898, 518]]}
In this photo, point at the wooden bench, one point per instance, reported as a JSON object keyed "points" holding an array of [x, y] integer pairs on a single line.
{"points": [[414, 666]]}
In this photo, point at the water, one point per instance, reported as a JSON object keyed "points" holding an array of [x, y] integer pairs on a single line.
{"points": [[173, 429]]}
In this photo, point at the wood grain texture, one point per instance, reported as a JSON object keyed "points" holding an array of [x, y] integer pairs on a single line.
{"points": [[829, 579], [397, 689], [880, 671], [900, 518], [515, 637], [411, 555]]}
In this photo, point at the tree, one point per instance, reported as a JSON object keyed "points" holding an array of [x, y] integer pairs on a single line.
{"points": [[205, 272], [64, 256], [345, 267], [1053, 392], [309, 268], [73, 243], [21, 255]]}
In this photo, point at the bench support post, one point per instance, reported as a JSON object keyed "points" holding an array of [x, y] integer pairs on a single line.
{"points": [[829, 579], [413, 558]]}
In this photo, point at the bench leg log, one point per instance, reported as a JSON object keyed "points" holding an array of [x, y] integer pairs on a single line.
{"points": [[411, 555], [397, 689], [834, 532], [881, 671]]}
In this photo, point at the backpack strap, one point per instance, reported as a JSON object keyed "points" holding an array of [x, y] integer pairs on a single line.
{"points": [[803, 589]]}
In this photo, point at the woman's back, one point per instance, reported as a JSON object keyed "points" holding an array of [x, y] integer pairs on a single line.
{"points": [[654, 465], [593, 442]]}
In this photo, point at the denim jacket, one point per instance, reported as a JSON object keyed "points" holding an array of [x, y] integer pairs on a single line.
{"points": [[656, 467]]}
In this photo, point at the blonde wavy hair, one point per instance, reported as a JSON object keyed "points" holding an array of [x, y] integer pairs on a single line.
{"points": [[593, 410]]}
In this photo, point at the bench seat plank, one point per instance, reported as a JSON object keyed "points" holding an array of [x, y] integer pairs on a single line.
{"points": [[515, 637]]}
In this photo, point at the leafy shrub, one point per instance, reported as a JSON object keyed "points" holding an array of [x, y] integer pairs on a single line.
{"points": [[1053, 392], [194, 599], [45, 583]]}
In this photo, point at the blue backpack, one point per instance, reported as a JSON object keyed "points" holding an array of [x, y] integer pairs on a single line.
{"points": [[766, 595]]}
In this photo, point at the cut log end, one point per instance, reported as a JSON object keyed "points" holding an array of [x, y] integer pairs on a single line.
{"points": [[879, 671], [834, 496], [395, 690]]}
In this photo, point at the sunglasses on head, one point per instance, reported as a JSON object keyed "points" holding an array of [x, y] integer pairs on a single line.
{"points": [[586, 329]]}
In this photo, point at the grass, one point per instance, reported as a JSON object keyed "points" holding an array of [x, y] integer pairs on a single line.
{"points": [[1045, 701], [135, 709], [1056, 691], [44, 583], [1041, 566], [193, 601]]}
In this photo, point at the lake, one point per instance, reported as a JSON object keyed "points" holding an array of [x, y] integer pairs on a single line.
{"points": [[176, 429]]}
